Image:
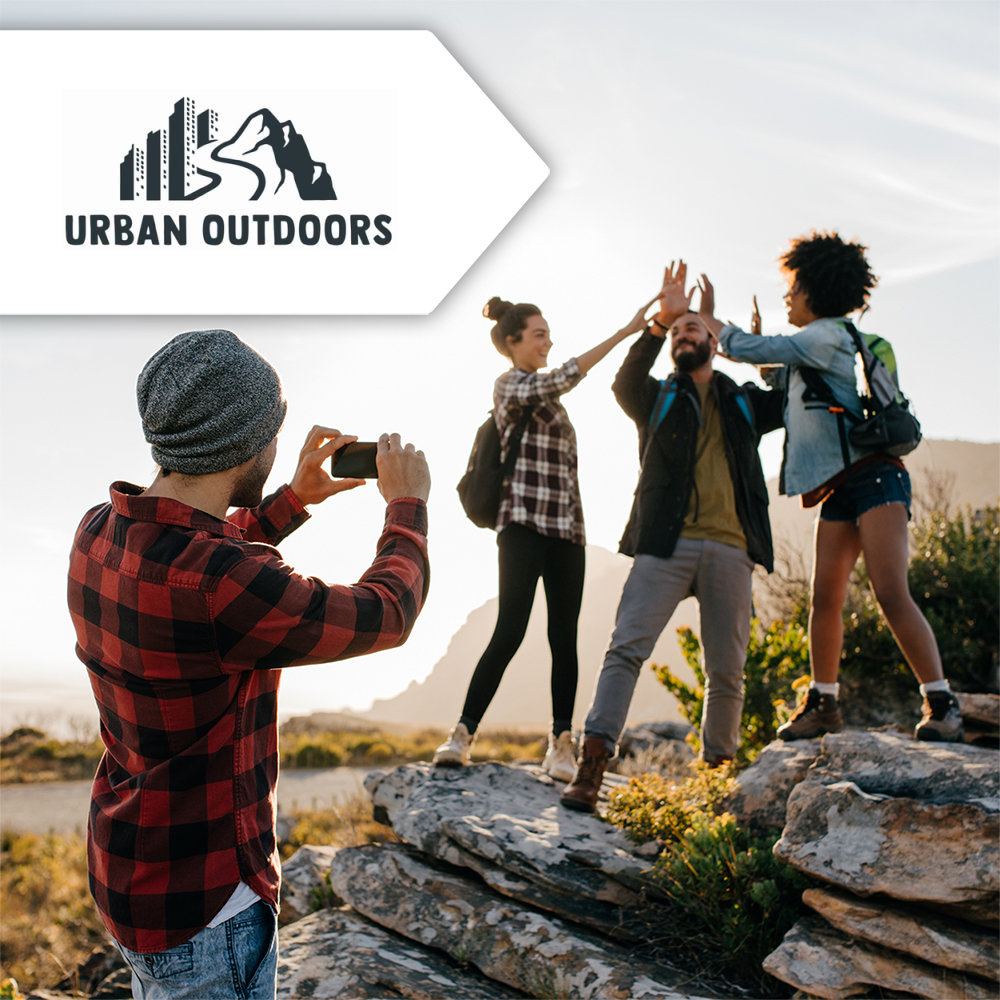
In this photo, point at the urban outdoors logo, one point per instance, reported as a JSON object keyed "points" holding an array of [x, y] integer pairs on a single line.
{"points": [[165, 166], [186, 160]]}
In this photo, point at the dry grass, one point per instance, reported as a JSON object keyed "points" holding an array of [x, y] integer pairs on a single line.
{"points": [[346, 825], [48, 922]]}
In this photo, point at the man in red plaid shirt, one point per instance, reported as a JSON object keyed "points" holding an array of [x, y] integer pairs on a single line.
{"points": [[184, 618]]}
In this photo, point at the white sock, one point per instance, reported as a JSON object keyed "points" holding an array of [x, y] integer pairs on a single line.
{"points": [[934, 686], [833, 689]]}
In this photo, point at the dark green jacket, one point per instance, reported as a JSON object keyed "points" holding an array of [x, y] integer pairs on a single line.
{"points": [[668, 455]]}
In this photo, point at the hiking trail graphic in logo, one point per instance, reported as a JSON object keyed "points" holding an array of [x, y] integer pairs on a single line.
{"points": [[173, 163]]}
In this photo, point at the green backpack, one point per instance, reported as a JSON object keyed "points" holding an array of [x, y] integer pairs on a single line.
{"points": [[888, 425]]}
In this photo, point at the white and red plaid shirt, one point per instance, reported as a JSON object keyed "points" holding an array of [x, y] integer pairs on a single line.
{"points": [[542, 493]]}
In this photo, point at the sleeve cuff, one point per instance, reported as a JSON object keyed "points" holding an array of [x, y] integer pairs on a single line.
{"points": [[407, 512]]}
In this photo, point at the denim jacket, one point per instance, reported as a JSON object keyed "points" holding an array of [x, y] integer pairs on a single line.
{"points": [[812, 442]]}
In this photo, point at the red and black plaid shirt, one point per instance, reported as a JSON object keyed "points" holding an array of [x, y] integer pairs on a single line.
{"points": [[542, 493], [184, 622]]}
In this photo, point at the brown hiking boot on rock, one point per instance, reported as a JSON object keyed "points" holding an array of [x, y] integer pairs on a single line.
{"points": [[581, 793], [817, 716], [942, 721]]}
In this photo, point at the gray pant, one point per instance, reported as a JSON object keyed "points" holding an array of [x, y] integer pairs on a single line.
{"points": [[720, 577]]}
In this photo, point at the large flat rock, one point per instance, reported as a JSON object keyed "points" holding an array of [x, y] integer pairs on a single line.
{"points": [[942, 856], [883, 763], [954, 945], [339, 955], [540, 955], [506, 824], [824, 962]]}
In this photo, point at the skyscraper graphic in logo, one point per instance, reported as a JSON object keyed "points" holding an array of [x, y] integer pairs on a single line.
{"points": [[172, 163]]}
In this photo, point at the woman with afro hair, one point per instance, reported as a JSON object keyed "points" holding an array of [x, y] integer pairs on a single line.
{"points": [[864, 509]]}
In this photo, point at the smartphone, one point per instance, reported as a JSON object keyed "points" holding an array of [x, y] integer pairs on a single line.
{"points": [[355, 461]]}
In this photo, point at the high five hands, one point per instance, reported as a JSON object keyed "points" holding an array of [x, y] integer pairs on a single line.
{"points": [[674, 300]]}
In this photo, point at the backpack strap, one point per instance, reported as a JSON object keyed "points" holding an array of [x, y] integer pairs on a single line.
{"points": [[664, 400], [743, 402], [515, 442], [818, 389]]}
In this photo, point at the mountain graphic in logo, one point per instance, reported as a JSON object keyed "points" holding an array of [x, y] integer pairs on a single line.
{"points": [[177, 163]]}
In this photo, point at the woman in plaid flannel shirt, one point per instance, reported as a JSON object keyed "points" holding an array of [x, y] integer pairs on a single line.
{"points": [[539, 524]]}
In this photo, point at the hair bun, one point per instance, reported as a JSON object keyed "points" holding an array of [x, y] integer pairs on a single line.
{"points": [[496, 308]]}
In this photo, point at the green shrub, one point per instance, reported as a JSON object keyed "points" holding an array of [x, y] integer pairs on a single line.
{"points": [[729, 879], [651, 807], [733, 892]]}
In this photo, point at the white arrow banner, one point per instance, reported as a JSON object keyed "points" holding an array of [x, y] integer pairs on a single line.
{"points": [[247, 172]]}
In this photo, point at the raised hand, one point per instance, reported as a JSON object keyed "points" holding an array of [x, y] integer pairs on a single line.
{"points": [[311, 482], [706, 307], [755, 327], [674, 301]]}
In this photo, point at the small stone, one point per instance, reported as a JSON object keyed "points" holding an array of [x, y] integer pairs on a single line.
{"points": [[301, 875]]}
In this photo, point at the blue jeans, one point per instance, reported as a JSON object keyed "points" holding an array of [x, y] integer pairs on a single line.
{"points": [[238, 960], [871, 486]]}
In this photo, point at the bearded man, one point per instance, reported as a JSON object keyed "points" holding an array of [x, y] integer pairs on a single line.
{"points": [[698, 526]]}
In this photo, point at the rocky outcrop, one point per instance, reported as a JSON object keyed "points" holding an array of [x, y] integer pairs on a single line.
{"points": [[824, 962], [337, 953], [917, 822], [515, 944], [908, 835], [493, 876]]}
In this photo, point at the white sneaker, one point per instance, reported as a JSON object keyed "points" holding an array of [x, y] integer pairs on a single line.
{"points": [[455, 750], [560, 760]]}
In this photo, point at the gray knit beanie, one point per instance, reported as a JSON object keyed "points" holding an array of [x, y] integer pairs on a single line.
{"points": [[208, 402]]}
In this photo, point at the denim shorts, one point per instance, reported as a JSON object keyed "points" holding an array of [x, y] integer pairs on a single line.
{"points": [[238, 960], [871, 486]]}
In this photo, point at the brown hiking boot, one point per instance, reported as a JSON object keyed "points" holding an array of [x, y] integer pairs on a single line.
{"points": [[816, 716], [581, 793], [942, 721]]}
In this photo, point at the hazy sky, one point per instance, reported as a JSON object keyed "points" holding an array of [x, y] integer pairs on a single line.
{"points": [[713, 131]]}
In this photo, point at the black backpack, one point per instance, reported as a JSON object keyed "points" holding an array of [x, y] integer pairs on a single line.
{"points": [[481, 487], [888, 425]]}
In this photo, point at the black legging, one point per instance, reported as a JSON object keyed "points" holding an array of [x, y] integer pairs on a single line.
{"points": [[525, 556]]}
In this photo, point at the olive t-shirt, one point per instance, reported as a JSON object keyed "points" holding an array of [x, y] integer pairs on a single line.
{"points": [[712, 510]]}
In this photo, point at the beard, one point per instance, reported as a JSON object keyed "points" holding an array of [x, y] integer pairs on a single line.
{"points": [[688, 360], [248, 490]]}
